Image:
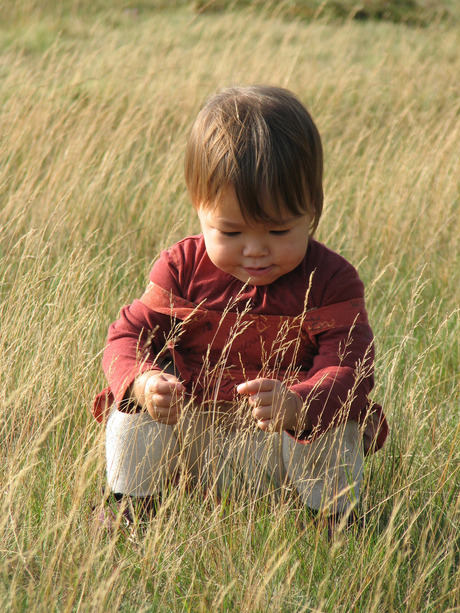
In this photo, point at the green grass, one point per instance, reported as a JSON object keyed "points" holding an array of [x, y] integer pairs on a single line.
{"points": [[96, 104]]}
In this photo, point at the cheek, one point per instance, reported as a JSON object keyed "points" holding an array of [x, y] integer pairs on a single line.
{"points": [[219, 253], [293, 253]]}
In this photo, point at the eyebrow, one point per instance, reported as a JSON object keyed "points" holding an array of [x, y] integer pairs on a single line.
{"points": [[231, 224], [280, 222]]}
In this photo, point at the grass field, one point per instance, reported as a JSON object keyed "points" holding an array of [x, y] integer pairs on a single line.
{"points": [[96, 101]]}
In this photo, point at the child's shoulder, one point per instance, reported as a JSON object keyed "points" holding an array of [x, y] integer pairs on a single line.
{"points": [[189, 244], [325, 260], [183, 266], [334, 279], [186, 251]]}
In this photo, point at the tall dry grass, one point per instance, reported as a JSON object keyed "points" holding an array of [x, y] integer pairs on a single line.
{"points": [[95, 112]]}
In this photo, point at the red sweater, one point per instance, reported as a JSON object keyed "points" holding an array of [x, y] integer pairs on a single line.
{"points": [[312, 318]]}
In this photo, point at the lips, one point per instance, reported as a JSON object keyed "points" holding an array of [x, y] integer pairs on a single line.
{"points": [[258, 272]]}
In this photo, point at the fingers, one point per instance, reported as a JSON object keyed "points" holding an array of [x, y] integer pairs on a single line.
{"points": [[163, 392], [257, 385], [162, 388], [163, 398], [261, 392], [274, 406], [261, 397], [162, 382], [263, 418]]}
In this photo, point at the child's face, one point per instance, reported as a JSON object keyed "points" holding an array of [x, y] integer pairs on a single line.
{"points": [[258, 253]]}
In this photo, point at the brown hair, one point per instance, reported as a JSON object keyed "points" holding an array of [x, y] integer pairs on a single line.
{"points": [[263, 141]]}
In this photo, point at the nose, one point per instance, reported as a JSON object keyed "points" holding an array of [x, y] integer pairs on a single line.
{"points": [[255, 247]]}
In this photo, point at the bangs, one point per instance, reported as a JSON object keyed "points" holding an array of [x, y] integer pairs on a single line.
{"points": [[266, 188], [262, 141]]}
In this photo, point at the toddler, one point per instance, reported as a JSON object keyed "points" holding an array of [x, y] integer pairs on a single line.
{"points": [[247, 363]]}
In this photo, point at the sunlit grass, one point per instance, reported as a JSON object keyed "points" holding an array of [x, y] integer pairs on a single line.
{"points": [[95, 112]]}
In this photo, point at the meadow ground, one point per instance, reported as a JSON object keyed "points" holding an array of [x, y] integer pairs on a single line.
{"points": [[96, 101]]}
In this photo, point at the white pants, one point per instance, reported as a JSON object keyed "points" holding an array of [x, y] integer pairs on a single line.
{"points": [[144, 455]]}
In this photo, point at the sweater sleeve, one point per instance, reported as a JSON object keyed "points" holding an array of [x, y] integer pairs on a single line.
{"points": [[340, 379], [138, 338]]}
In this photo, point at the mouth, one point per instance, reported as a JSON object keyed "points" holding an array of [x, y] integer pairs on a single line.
{"points": [[258, 272]]}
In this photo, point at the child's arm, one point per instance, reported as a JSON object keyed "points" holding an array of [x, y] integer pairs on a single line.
{"points": [[132, 349], [274, 406], [134, 343]]}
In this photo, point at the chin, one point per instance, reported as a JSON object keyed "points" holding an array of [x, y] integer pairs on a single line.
{"points": [[261, 281]]}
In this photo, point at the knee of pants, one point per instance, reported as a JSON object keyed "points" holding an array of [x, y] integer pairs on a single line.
{"points": [[327, 473], [140, 453]]}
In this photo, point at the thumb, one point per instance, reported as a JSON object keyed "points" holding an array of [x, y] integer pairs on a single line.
{"points": [[173, 380]]}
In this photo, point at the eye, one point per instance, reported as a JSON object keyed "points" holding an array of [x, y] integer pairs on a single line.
{"points": [[279, 232], [230, 233]]}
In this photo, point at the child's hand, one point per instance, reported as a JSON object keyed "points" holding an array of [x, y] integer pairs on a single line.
{"points": [[161, 394], [274, 406]]}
